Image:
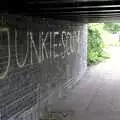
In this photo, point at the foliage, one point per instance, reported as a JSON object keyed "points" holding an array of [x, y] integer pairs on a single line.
{"points": [[95, 44], [112, 27]]}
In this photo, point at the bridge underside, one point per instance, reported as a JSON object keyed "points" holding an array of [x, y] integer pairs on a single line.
{"points": [[75, 10]]}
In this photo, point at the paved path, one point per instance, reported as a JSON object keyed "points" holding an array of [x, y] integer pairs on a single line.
{"points": [[97, 97]]}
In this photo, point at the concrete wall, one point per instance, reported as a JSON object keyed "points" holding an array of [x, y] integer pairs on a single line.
{"points": [[40, 59]]}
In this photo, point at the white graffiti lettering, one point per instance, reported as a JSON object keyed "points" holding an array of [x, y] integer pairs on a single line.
{"points": [[55, 44], [44, 46], [9, 54], [50, 44], [32, 45], [69, 43], [20, 65], [39, 46], [63, 43], [78, 40]]}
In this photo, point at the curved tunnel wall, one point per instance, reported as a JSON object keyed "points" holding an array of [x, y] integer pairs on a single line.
{"points": [[40, 59]]}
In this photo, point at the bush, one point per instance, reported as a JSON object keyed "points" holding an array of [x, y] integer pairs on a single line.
{"points": [[112, 27], [95, 45]]}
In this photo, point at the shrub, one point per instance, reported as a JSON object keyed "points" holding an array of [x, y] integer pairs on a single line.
{"points": [[95, 45]]}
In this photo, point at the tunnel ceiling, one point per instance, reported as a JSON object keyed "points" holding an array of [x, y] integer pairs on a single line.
{"points": [[75, 10]]}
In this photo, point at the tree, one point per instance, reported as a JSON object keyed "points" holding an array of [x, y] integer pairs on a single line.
{"points": [[95, 43], [112, 27]]}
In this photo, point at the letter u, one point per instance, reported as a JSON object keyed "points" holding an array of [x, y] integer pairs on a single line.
{"points": [[20, 65]]}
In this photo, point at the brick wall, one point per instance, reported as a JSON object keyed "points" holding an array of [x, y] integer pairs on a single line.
{"points": [[39, 59]]}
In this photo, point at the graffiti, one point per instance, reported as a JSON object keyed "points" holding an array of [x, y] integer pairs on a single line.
{"points": [[55, 43], [6, 30], [32, 45], [39, 46], [16, 46], [44, 46], [27, 115], [3, 20], [69, 43]]}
